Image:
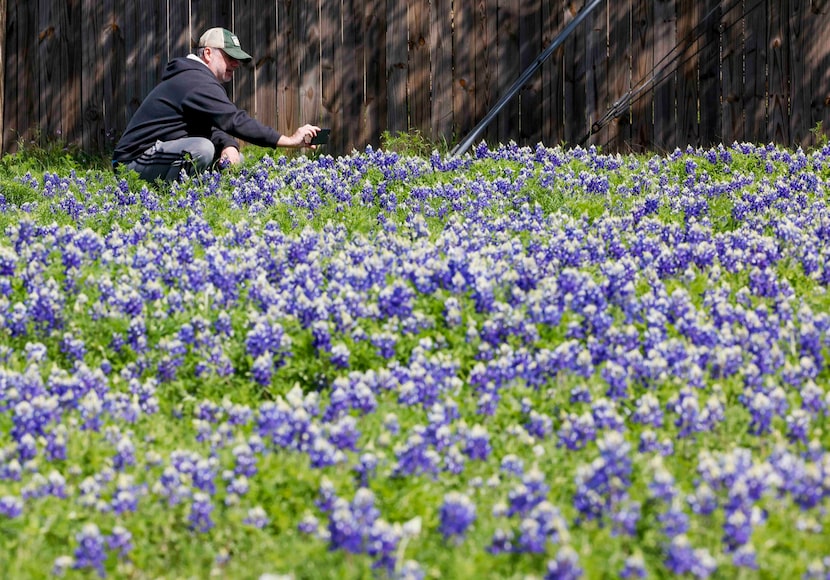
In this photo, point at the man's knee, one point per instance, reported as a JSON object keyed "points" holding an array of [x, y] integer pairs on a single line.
{"points": [[201, 152]]}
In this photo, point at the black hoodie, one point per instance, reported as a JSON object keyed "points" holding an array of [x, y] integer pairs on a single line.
{"points": [[189, 102]]}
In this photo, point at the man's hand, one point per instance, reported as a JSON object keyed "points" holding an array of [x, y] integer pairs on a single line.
{"points": [[301, 137], [230, 155]]}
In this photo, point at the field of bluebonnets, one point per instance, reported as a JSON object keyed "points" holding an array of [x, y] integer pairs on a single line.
{"points": [[539, 362]]}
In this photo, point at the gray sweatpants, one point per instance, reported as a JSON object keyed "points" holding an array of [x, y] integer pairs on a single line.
{"points": [[167, 159]]}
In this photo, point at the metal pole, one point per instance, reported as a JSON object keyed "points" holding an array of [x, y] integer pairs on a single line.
{"points": [[560, 38]]}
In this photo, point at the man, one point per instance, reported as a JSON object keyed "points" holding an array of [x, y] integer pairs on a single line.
{"points": [[187, 121]]}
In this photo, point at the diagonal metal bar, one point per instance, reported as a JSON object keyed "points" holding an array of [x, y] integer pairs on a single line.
{"points": [[465, 143]]}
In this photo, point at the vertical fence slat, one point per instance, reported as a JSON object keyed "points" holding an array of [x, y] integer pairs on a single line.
{"points": [[530, 47], [799, 73], [373, 117], [687, 78], [113, 60], [642, 69], [350, 63], [665, 63], [574, 68], [732, 73], [755, 61], [2, 72], [778, 125], [287, 67], [397, 65], [709, 53], [417, 84], [507, 67], [92, 94], [243, 87], [440, 57], [463, 58], [619, 75], [263, 45], [597, 73], [486, 47], [819, 51]]}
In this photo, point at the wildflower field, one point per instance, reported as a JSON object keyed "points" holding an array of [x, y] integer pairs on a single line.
{"points": [[525, 362]]}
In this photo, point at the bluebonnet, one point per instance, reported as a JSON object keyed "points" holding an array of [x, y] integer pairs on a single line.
{"points": [[91, 550], [457, 513], [565, 566], [200, 513]]}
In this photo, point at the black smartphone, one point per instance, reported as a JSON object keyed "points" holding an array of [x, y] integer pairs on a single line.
{"points": [[321, 138]]}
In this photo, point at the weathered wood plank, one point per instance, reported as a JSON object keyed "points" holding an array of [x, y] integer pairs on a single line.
{"points": [[754, 102], [665, 63], [508, 67], [440, 57], [800, 110], [92, 90], [373, 115], [642, 108], [778, 127], [486, 66], [418, 74], [732, 79], [597, 74], [530, 96], [463, 86], [349, 65], [288, 102], [709, 71], [263, 48], [576, 118], [688, 89], [397, 66], [619, 76], [819, 58], [243, 86], [550, 105], [2, 70]]}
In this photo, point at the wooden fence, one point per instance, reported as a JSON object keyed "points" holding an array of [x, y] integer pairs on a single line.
{"points": [[637, 75]]}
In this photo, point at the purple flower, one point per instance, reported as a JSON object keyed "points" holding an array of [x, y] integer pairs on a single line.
{"points": [[565, 566], [11, 506], [200, 510], [457, 514], [90, 552]]}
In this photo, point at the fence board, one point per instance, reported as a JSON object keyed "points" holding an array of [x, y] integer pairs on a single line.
{"points": [[819, 58], [507, 67], [799, 73], [417, 92], [710, 127], [551, 92], [243, 85], [574, 69], [463, 62], [92, 92], [288, 104], [642, 70], [755, 61], [264, 50], [689, 45], [397, 66], [665, 39], [530, 47], [2, 69], [732, 73], [619, 76], [486, 72], [597, 74], [373, 117], [350, 63], [440, 57], [778, 124]]}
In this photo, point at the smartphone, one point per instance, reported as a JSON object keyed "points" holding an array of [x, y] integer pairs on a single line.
{"points": [[321, 138]]}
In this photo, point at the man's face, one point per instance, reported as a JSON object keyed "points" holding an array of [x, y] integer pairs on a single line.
{"points": [[221, 64]]}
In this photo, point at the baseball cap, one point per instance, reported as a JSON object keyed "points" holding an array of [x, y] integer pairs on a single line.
{"points": [[226, 40]]}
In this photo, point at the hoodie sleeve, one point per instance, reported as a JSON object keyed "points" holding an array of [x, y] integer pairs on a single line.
{"points": [[210, 102]]}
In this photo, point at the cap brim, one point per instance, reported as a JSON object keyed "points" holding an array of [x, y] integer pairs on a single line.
{"points": [[238, 54]]}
